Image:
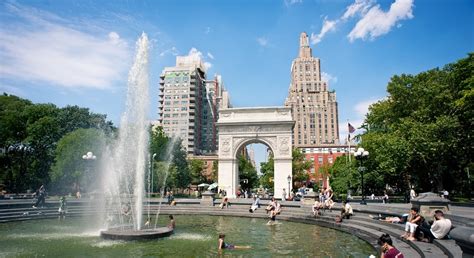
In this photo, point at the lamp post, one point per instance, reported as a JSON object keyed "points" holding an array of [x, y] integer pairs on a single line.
{"points": [[151, 168], [361, 155], [89, 156], [289, 182]]}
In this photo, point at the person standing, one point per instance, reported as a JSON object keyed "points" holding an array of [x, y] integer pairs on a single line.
{"points": [[440, 228], [283, 197], [41, 194], [412, 194], [385, 197], [62, 208], [387, 250]]}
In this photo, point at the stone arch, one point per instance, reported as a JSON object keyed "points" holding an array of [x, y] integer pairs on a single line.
{"points": [[238, 127]]}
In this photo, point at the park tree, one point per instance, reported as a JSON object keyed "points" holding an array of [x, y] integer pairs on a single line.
{"points": [[29, 134], [267, 171], [70, 171], [300, 167], [421, 134], [247, 173], [182, 179], [196, 169]]}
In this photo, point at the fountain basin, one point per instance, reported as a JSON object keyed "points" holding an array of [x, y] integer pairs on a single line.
{"points": [[131, 234]]}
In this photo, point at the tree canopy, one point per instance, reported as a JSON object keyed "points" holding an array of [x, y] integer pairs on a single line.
{"points": [[29, 134], [421, 134]]}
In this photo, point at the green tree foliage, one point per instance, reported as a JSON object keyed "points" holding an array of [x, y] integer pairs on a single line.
{"points": [[180, 163], [422, 133], [159, 143], [344, 175], [247, 173], [196, 168], [171, 159], [267, 171], [215, 170], [300, 166], [40, 127], [70, 170]]}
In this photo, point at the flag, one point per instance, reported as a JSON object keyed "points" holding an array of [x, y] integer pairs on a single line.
{"points": [[351, 128]]}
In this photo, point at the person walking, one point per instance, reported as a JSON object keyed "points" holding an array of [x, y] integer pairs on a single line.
{"points": [[41, 195]]}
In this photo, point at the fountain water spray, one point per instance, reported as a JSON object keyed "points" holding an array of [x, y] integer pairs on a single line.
{"points": [[127, 165]]}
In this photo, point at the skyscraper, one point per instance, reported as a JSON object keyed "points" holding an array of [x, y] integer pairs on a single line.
{"points": [[313, 105], [189, 105]]}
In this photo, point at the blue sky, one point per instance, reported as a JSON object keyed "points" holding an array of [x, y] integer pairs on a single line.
{"points": [[79, 52]]}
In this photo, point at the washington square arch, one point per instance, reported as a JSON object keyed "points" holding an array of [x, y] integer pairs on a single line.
{"points": [[238, 127]]}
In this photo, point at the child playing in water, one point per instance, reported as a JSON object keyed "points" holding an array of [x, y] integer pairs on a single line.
{"points": [[62, 208], [224, 245]]}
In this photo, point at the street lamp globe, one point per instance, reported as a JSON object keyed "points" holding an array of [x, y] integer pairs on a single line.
{"points": [[89, 156]]}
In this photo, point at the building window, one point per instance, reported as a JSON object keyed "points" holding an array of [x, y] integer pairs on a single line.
{"points": [[320, 159]]}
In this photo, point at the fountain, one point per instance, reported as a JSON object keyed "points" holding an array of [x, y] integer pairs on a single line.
{"points": [[127, 160]]}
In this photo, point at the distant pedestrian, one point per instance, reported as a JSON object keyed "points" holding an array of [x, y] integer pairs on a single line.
{"points": [[41, 195], [387, 250], [412, 194], [385, 197], [283, 195], [62, 208]]}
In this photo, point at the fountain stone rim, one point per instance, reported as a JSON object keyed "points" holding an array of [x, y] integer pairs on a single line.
{"points": [[142, 234]]}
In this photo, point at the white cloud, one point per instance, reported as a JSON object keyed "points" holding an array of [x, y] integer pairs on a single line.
{"points": [[328, 26], [262, 41], [41, 47], [292, 2], [373, 22], [173, 51], [210, 55], [359, 6], [328, 77], [195, 54], [377, 22], [362, 107]]}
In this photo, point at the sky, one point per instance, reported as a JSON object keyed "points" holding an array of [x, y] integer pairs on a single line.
{"points": [[70, 52]]}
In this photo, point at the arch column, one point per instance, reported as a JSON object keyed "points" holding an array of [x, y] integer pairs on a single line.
{"points": [[282, 170], [228, 175]]}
